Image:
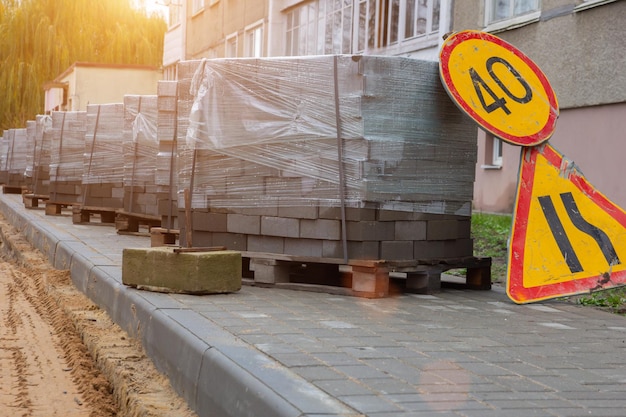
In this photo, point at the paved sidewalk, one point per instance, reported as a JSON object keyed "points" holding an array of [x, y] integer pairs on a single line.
{"points": [[273, 352]]}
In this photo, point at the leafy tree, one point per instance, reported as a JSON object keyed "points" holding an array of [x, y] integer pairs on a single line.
{"points": [[39, 39]]}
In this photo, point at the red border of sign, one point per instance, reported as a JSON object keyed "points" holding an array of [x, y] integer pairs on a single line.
{"points": [[530, 140], [515, 287]]}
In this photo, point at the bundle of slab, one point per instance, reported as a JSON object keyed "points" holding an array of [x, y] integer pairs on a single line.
{"points": [[337, 171]]}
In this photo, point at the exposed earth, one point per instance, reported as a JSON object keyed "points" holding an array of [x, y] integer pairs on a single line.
{"points": [[60, 355]]}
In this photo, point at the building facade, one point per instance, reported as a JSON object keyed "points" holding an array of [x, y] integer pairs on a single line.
{"points": [[254, 28], [575, 42], [85, 83], [576, 45]]}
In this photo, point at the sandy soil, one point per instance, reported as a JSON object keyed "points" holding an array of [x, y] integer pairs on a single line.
{"points": [[50, 334]]}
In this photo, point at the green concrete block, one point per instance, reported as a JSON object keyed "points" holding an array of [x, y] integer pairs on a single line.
{"points": [[161, 269]]}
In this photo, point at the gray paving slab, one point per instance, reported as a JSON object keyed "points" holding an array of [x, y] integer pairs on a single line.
{"points": [[278, 352]]}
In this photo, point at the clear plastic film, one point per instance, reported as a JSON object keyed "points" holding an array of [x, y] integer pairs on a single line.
{"points": [[41, 154], [17, 156], [67, 147], [30, 149], [102, 161], [273, 132], [141, 145], [4, 155]]}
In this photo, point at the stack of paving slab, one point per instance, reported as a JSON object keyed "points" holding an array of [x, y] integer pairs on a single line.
{"points": [[17, 150], [141, 148], [67, 150], [41, 155], [103, 168], [278, 152], [168, 136], [39, 136], [4, 156]]}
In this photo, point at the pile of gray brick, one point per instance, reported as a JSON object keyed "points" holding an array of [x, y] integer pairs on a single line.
{"points": [[273, 152]]}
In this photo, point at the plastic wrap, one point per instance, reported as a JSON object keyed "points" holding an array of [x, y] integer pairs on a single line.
{"points": [[103, 140], [30, 153], [68, 146], [4, 156], [140, 140], [18, 150], [324, 131], [41, 154]]}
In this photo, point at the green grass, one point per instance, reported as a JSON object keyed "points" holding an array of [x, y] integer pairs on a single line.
{"points": [[491, 233]]}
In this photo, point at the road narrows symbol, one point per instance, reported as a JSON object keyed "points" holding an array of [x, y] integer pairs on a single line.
{"points": [[558, 231], [601, 238]]}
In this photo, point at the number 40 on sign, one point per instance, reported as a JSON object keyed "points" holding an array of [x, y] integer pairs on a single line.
{"points": [[499, 87]]}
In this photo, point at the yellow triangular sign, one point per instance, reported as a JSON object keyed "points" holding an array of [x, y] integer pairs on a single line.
{"points": [[567, 238]]}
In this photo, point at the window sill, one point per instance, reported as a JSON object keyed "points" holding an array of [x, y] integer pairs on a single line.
{"points": [[513, 23], [590, 4], [491, 167]]}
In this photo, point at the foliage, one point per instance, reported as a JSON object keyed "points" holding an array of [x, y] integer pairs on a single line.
{"points": [[491, 233], [613, 299], [42, 38]]}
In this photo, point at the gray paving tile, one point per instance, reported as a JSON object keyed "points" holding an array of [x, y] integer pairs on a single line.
{"points": [[454, 353]]}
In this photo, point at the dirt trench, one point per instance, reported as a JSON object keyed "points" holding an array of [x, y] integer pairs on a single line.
{"points": [[60, 355]]}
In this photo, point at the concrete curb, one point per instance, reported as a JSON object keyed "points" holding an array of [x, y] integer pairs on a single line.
{"points": [[215, 372]]}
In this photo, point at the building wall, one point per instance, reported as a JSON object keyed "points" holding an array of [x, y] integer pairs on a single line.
{"points": [[93, 84], [583, 58], [208, 29]]}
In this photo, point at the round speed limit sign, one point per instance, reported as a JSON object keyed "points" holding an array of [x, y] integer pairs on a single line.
{"points": [[499, 87]]}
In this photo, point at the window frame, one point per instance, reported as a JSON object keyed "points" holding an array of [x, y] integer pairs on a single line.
{"points": [[250, 51], [363, 16], [197, 6], [228, 42], [512, 22]]}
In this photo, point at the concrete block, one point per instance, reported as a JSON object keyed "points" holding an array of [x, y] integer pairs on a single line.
{"points": [[303, 247], [320, 229], [269, 244], [238, 223], [370, 230], [280, 226], [442, 229], [302, 212], [162, 269], [352, 214], [210, 222], [410, 230], [232, 241], [396, 250]]}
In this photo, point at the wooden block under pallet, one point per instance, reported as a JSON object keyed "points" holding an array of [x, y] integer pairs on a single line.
{"points": [[363, 278], [130, 222], [55, 208], [32, 200], [160, 236], [10, 189], [83, 214]]}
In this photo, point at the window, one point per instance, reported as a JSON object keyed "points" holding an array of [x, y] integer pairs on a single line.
{"points": [[499, 10], [231, 46], [493, 152], [302, 30], [353, 26], [496, 152], [175, 7], [253, 41], [197, 6]]}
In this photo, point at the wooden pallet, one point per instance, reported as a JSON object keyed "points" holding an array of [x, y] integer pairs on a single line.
{"points": [[161, 236], [361, 278], [126, 222], [32, 200], [12, 189], [87, 215], [55, 208]]}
